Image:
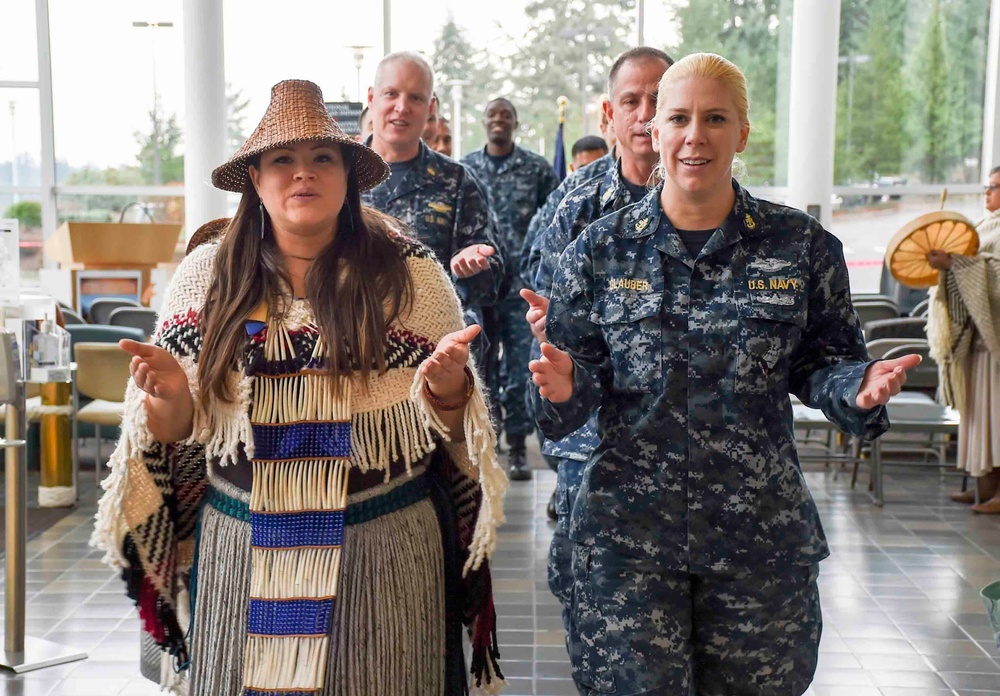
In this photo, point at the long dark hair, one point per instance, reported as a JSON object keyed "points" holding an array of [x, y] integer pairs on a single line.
{"points": [[357, 286]]}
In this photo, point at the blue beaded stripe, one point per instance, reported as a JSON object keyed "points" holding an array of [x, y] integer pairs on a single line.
{"points": [[402, 496], [311, 440], [283, 530], [290, 617]]}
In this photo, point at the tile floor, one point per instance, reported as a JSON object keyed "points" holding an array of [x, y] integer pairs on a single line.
{"points": [[900, 598]]}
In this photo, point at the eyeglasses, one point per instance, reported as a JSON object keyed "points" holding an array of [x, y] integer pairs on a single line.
{"points": [[991, 188]]}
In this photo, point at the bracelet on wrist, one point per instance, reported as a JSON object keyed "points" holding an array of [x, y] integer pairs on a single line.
{"points": [[452, 406]]}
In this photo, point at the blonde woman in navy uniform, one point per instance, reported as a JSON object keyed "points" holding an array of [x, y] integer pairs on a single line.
{"points": [[688, 318]]}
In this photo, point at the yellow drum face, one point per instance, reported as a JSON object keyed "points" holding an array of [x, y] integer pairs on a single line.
{"points": [[907, 252]]}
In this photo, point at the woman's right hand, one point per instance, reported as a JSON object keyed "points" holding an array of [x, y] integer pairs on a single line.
{"points": [[169, 405], [553, 373]]}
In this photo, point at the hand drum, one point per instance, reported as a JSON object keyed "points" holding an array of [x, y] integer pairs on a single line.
{"points": [[907, 252]]}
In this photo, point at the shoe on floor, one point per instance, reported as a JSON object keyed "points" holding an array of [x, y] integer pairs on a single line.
{"points": [[990, 507], [518, 459], [966, 497]]}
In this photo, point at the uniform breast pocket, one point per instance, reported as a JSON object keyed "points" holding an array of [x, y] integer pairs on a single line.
{"points": [[768, 335], [438, 214], [632, 328]]}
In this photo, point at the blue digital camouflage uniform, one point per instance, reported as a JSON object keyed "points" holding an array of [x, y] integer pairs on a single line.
{"points": [[696, 476], [516, 187], [447, 210], [547, 213], [585, 204]]}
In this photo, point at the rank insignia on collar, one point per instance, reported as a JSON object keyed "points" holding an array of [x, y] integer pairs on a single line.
{"points": [[439, 207], [607, 196], [432, 171], [749, 222], [641, 225]]}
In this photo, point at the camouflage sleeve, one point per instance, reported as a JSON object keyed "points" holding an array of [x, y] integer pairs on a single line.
{"points": [[529, 255], [830, 362], [476, 224], [547, 183], [569, 328], [551, 243]]}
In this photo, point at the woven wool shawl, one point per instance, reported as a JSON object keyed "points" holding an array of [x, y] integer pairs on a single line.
{"points": [[146, 518], [966, 300]]}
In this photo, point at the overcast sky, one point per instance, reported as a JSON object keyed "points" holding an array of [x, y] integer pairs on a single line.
{"points": [[102, 67]]}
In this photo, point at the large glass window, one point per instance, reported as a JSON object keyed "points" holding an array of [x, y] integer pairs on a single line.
{"points": [[911, 89], [20, 138], [27, 210], [756, 35], [19, 49], [910, 102], [315, 41], [20, 172], [118, 92], [536, 51]]}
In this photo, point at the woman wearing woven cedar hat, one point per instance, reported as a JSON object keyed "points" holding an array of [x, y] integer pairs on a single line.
{"points": [[309, 389]]}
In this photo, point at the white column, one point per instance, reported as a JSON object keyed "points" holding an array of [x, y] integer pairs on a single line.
{"points": [[204, 112], [991, 111], [640, 23], [386, 27], [48, 154], [813, 106]]}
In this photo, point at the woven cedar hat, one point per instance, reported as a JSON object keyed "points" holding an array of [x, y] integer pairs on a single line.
{"points": [[297, 113]]}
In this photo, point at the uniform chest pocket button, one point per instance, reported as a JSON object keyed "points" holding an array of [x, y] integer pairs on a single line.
{"points": [[632, 328], [768, 335]]}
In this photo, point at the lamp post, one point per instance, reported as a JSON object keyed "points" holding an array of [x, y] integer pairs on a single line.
{"points": [[456, 116], [13, 150], [156, 96], [640, 22], [359, 61], [851, 60]]}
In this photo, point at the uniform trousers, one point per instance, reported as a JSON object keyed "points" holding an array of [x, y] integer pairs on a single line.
{"points": [[506, 368], [637, 628], [569, 474]]}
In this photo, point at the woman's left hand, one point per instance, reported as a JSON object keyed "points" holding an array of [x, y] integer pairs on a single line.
{"points": [[939, 260], [445, 369], [884, 379]]}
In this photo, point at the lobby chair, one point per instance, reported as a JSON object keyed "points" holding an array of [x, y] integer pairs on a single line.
{"points": [[901, 327], [142, 318], [71, 317], [93, 333], [874, 310], [101, 308], [921, 309], [857, 297], [101, 374], [879, 347]]}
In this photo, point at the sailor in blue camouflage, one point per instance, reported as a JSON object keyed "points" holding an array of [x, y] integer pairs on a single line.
{"points": [[585, 204], [696, 538], [529, 258], [447, 211], [518, 183], [621, 642]]}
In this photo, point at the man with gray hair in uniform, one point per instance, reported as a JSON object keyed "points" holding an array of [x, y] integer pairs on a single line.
{"points": [[437, 197]]}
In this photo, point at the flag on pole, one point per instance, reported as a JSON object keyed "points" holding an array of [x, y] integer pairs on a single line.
{"points": [[559, 163]]}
